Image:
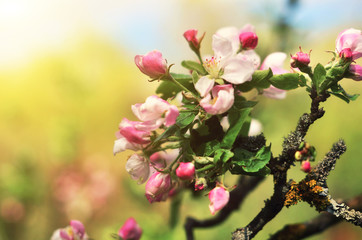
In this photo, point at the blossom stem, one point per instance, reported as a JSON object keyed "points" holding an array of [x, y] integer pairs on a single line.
{"points": [[182, 87], [208, 167]]}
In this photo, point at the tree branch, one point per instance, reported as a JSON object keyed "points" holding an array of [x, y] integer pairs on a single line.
{"points": [[245, 185], [317, 225], [279, 167]]}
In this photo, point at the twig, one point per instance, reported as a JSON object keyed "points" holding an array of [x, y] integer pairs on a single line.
{"points": [[245, 185], [317, 225], [279, 167]]}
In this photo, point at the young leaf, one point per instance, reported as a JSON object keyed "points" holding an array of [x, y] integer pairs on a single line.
{"points": [[191, 65], [236, 120], [222, 155], [168, 89], [286, 81], [319, 76], [250, 162], [259, 80]]}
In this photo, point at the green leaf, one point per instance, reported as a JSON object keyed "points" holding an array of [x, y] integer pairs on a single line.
{"points": [[259, 80], [251, 162], [168, 89], [235, 169], [222, 155], [236, 120], [286, 81], [241, 102], [185, 118], [319, 76], [195, 77], [338, 91], [191, 65], [168, 132]]}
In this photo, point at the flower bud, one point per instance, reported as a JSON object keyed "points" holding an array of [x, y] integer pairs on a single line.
{"points": [[190, 36], [157, 187], [200, 184], [138, 167], [186, 171], [298, 155], [152, 64], [306, 166], [300, 59], [350, 38], [219, 197], [130, 230], [356, 71], [248, 40], [346, 54]]}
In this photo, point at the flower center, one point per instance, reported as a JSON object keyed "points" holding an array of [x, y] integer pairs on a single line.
{"points": [[212, 66]]}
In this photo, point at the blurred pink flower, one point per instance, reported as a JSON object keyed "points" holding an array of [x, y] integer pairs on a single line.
{"points": [[130, 230], [275, 62], [356, 71], [75, 231], [219, 197]]}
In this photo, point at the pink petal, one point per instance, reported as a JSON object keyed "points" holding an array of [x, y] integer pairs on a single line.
{"points": [[238, 69], [204, 85]]}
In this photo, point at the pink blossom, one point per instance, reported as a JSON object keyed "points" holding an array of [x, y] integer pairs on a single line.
{"points": [[350, 38], [133, 132], [219, 197], [152, 64], [138, 167], [186, 171], [356, 71], [122, 144], [233, 34], [223, 99], [153, 111], [306, 166], [157, 187], [204, 85], [130, 230], [300, 59], [248, 40], [190, 36], [75, 231], [275, 62], [226, 64]]}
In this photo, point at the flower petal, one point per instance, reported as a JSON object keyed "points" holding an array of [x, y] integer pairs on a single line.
{"points": [[204, 85], [238, 69]]}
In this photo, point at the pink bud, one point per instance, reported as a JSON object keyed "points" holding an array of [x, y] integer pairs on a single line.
{"points": [[186, 171], [152, 64], [306, 166], [248, 40], [356, 70], [300, 59], [346, 53], [157, 187], [200, 184], [130, 230], [132, 133], [219, 197], [190, 36]]}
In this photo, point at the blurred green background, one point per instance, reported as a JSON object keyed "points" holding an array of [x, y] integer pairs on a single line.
{"points": [[67, 78]]}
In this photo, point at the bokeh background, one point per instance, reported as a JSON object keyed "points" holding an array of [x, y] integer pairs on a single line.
{"points": [[67, 78]]}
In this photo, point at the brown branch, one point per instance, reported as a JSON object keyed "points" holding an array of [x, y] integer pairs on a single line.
{"points": [[245, 185], [317, 225], [279, 167]]}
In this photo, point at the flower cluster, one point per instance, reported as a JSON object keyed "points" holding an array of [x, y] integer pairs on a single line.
{"points": [[191, 145]]}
